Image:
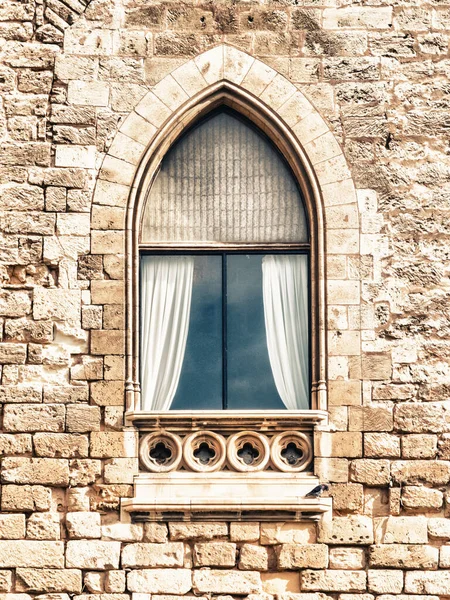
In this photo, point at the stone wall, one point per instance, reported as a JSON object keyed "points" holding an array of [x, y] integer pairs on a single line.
{"points": [[70, 75]]}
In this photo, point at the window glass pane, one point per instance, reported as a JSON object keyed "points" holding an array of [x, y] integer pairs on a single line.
{"points": [[200, 385], [250, 380], [224, 181]]}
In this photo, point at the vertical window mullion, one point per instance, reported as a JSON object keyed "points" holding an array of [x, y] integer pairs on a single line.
{"points": [[224, 334]]}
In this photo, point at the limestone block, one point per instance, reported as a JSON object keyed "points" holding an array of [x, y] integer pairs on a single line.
{"points": [[197, 531], [77, 224], [107, 292], [155, 532], [344, 393], [126, 532], [347, 496], [108, 217], [226, 582], [215, 554], [78, 499], [61, 445], [93, 555], [49, 580], [429, 417], [419, 446], [14, 303], [341, 445], [331, 469], [26, 497], [44, 526], [11, 444], [347, 558], [24, 553], [403, 556], [385, 582], [108, 393], [256, 558], [370, 418], [121, 470], [89, 93], [13, 354], [444, 559], [83, 525], [107, 497], [74, 156], [84, 471], [278, 584], [428, 582], [439, 528], [295, 556], [57, 304], [420, 497], [82, 418], [244, 532], [288, 533], [105, 444], [402, 530], [170, 554], [65, 394], [41, 471], [108, 242], [358, 17], [381, 445], [5, 581], [108, 342], [334, 581], [344, 343], [370, 471], [94, 582], [434, 472], [346, 530], [115, 582], [12, 527], [160, 581]]}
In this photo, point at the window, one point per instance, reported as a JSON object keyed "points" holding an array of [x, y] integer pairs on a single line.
{"points": [[224, 275]]}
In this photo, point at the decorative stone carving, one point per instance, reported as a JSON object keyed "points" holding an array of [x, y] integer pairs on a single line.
{"points": [[248, 451], [204, 451], [160, 452], [291, 451]]}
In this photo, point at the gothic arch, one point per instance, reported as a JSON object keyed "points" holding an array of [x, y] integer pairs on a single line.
{"points": [[225, 75]]}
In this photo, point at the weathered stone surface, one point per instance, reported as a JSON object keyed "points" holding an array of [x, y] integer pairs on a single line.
{"points": [[347, 558], [61, 445], [92, 555], [423, 582], [83, 525], [244, 532], [294, 556], [12, 527], [286, 533], [371, 472], [402, 530], [334, 581], [221, 582], [346, 530], [34, 418], [11, 444], [24, 553], [49, 580], [402, 556], [420, 497], [197, 531], [422, 418], [439, 528], [435, 472], [385, 582], [160, 581], [153, 555], [44, 526], [26, 498], [255, 558], [41, 471]]}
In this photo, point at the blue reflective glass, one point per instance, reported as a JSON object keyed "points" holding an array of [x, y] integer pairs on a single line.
{"points": [[250, 383], [200, 385]]}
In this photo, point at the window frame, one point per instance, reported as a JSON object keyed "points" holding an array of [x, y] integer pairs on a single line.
{"points": [[267, 120], [256, 249]]}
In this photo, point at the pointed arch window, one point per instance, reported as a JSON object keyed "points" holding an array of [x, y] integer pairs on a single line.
{"points": [[224, 275]]}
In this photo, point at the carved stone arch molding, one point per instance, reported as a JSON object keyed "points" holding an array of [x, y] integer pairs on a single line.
{"points": [[226, 75]]}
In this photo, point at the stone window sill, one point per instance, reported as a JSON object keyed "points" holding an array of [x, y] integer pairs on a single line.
{"points": [[239, 465]]}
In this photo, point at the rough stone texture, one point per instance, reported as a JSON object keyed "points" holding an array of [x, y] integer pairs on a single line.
{"points": [[71, 74]]}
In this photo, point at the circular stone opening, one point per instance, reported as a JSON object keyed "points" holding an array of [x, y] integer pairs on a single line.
{"points": [[292, 454], [248, 453], [160, 453], [204, 454]]}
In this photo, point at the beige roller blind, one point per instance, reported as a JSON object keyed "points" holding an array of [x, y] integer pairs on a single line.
{"points": [[224, 182]]}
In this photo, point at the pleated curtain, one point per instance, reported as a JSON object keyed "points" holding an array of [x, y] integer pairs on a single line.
{"points": [[166, 292], [285, 296]]}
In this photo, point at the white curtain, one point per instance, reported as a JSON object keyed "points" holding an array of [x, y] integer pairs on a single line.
{"points": [[166, 292], [285, 294]]}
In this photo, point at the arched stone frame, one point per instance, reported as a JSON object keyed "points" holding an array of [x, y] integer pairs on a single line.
{"points": [[230, 76]]}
